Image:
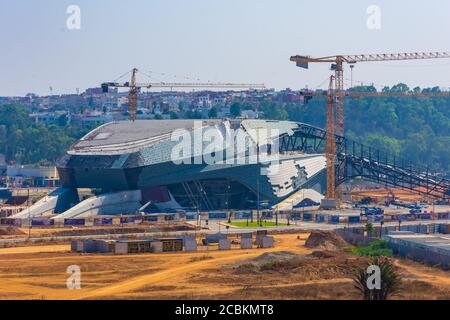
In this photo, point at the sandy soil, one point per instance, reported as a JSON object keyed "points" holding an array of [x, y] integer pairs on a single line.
{"points": [[36, 249], [39, 272]]}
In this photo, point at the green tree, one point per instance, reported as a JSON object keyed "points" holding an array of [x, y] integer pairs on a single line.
{"points": [[390, 283], [384, 143], [235, 109], [212, 113], [63, 120], [22, 140]]}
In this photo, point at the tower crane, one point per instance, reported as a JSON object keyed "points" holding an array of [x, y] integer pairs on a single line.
{"points": [[336, 95], [134, 87], [330, 149]]}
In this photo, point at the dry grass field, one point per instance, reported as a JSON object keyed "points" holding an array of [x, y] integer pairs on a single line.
{"points": [[288, 271]]}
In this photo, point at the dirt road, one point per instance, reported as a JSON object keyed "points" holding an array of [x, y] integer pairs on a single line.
{"points": [[35, 249]]}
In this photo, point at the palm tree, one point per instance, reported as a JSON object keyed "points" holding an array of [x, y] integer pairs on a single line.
{"points": [[390, 280]]}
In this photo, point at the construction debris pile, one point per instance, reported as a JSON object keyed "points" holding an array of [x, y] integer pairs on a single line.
{"points": [[325, 240]]}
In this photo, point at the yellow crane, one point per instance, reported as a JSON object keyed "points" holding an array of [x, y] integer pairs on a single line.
{"points": [[135, 87], [336, 95]]}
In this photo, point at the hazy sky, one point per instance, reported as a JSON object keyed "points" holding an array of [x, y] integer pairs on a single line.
{"points": [[216, 40]]}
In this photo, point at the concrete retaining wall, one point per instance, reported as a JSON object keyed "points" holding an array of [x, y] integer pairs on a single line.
{"points": [[267, 242], [246, 243], [224, 244], [415, 252], [355, 238]]}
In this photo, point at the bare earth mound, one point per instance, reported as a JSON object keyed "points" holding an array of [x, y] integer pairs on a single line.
{"points": [[325, 240], [273, 256], [10, 231]]}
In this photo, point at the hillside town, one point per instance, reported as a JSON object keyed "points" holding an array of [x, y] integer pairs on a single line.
{"points": [[95, 107]]}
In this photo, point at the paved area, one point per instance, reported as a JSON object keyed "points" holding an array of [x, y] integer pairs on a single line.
{"points": [[215, 226]]}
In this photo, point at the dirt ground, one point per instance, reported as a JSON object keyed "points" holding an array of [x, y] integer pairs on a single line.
{"points": [[11, 233], [288, 271], [380, 194]]}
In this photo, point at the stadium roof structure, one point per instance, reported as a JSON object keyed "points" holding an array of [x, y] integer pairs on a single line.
{"points": [[121, 136]]}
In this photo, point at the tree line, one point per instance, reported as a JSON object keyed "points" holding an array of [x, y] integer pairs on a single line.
{"points": [[417, 129], [23, 141]]}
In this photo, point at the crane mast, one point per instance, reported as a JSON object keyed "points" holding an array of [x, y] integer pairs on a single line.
{"points": [[330, 141], [132, 98]]}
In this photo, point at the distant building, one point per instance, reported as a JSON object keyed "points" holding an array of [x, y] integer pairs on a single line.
{"points": [[204, 101], [98, 91], [48, 117], [249, 114], [33, 176]]}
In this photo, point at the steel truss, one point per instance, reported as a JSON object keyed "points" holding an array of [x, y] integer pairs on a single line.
{"points": [[357, 160]]}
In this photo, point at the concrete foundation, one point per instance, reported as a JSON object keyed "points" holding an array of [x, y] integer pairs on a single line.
{"points": [[267, 242], [156, 246], [246, 243], [190, 244], [121, 248], [224, 244], [74, 246]]}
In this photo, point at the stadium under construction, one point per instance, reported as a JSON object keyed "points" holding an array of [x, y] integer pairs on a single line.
{"points": [[238, 164]]}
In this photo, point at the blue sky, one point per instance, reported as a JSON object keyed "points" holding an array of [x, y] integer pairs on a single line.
{"points": [[216, 40]]}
